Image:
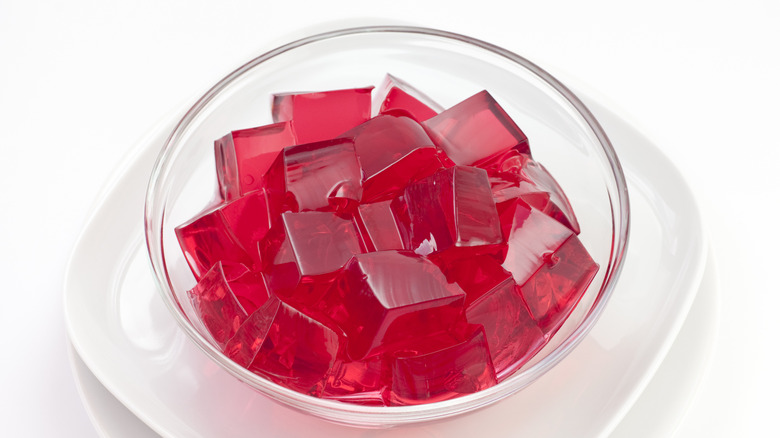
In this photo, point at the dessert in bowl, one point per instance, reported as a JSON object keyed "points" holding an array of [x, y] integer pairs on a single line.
{"points": [[428, 221]]}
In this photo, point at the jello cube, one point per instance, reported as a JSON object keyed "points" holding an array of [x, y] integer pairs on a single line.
{"points": [[323, 115], [249, 219], [208, 239], [453, 209], [532, 236], [462, 368], [514, 174], [396, 95], [380, 228], [249, 287], [558, 206], [230, 232], [363, 382], [243, 157], [307, 249], [527, 193], [315, 176], [494, 301], [216, 304], [475, 129], [284, 345], [557, 286], [392, 151], [386, 298]]}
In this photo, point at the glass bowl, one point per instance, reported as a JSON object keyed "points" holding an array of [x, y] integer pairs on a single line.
{"points": [[448, 67]]}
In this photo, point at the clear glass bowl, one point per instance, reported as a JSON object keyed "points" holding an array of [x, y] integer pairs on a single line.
{"points": [[563, 134]]}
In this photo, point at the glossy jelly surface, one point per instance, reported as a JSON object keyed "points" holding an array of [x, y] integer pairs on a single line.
{"points": [[410, 257]]}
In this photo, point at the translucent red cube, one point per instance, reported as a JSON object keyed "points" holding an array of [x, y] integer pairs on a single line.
{"points": [[217, 305], [395, 96], [316, 176], [392, 151], [243, 157], [452, 210], [478, 120], [322, 115], [494, 301], [386, 298], [282, 344], [458, 369], [381, 228], [304, 251], [516, 175]]}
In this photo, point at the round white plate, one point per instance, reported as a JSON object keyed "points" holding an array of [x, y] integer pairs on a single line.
{"points": [[122, 330]]}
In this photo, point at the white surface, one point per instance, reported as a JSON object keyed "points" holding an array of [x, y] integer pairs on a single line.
{"points": [[122, 330], [83, 80]]}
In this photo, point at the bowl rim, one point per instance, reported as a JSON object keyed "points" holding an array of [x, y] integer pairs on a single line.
{"points": [[370, 416]]}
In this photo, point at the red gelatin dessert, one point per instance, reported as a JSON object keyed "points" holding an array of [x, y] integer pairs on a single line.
{"points": [[358, 381], [556, 287], [478, 120], [379, 310], [543, 255], [393, 151], [494, 301], [217, 305], [304, 251], [515, 174], [244, 156], [323, 115], [228, 233], [458, 369], [316, 176], [396, 96], [453, 210], [408, 258], [380, 228], [281, 343]]}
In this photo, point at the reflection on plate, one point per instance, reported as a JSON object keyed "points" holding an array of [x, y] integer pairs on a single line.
{"points": [[124, 334]]}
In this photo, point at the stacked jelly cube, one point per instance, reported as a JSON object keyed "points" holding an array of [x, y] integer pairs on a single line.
{"points": [[405, 258]]}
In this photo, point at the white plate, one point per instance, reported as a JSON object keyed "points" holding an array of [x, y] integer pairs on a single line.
{"points": [[122, 330], [656, 413]]}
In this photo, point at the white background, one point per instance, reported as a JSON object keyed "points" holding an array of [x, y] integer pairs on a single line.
{"points": [[81, 81]]}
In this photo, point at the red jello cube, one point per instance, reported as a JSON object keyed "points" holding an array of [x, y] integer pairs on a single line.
{"points": [[475, 129], [284, 345], [315, 176], [514, 174], [208, 239], [249, 219], [363, 382], [557, 286], [380, 228], [304, 251], [396, 95], [393, 151], [459, 369], [323, 115], [494, 301], [244, 156], [249, 287], [532, 236], [386, 298], [558, 206], [453, 209], [217, 306], [229, 233]]}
